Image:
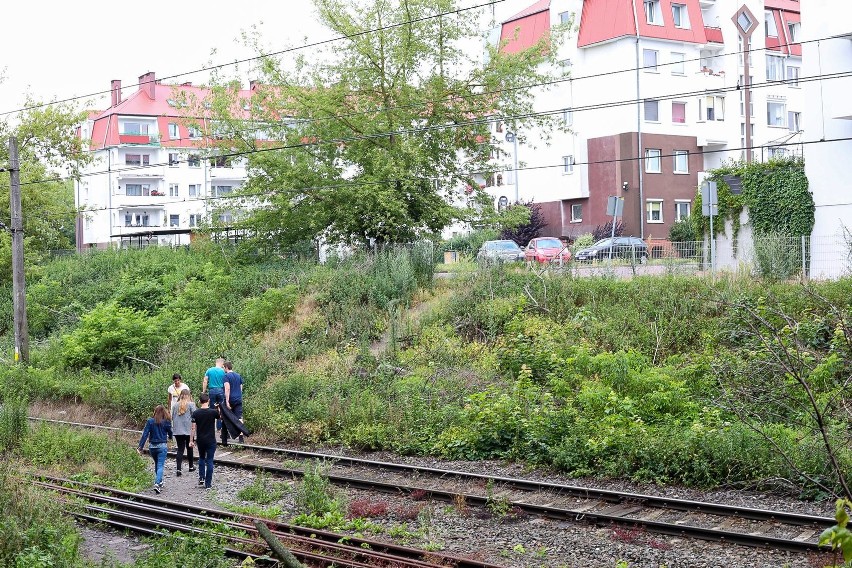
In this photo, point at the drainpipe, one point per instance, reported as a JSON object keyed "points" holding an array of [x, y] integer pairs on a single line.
{"points": [[639, 168]]}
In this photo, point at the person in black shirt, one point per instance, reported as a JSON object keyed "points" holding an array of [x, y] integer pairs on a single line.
{"points": [[204, 435]]}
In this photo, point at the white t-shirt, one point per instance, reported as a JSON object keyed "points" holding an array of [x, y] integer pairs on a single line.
{"points": [[176, 392]]}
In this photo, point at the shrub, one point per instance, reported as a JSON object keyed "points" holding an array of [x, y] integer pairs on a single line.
{"points": [[272, 307]]}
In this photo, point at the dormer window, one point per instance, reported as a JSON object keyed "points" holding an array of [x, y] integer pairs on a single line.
{"points": [[680, 16], [653, 15]]}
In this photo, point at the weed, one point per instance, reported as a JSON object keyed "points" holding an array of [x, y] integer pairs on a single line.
{"points": [[14, 425], [315, 497], [460, 504], [627, 535], [263, 490], [366, 508], [407, 512], [419, 495]]}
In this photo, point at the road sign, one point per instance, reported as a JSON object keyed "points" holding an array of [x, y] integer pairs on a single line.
{"points": [[614, 206], [709, 198]]}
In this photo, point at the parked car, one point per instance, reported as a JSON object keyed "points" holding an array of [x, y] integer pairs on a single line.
{"points": [[500, 251], [547, 249], [618, 247]]}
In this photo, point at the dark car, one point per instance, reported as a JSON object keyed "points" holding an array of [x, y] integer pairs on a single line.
{"points": [[619, 247], [500, 251], [547, 249]]}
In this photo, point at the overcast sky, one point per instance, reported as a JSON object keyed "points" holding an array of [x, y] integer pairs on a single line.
{"points": [[66, 48]]}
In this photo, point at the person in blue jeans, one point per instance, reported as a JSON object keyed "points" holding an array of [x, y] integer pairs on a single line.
{"points": [[157, 432], [233, 397], [204, 436], [214, 384]]}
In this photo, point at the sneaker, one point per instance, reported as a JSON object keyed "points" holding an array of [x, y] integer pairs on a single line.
{"points": [[200, 482], [178, 473], [157, 489], [241, 440], [192, 468]]}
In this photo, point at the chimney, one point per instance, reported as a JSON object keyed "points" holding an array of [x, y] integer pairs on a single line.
{"points": [[115, 90], [148, 84]]}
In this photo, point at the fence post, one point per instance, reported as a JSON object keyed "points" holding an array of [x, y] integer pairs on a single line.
{"points": [[804, 260]]}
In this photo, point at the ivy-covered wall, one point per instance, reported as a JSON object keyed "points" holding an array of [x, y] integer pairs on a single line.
{"points": [[775, 193]]}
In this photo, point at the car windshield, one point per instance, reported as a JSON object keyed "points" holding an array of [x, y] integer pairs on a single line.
{"points": [[502, 245], [549, 243], [603, 243]]}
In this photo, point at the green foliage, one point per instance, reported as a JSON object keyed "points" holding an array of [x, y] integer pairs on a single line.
{"points": [[14, 424], [315, 495], [584, 240], [263, 490], [110, 336], [467, 244], [775, 192], [180, 549], [35, 531], [272, 307], [839, 537], [777, 255]]}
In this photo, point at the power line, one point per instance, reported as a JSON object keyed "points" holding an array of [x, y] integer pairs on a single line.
{"points": [[438, 127], [262, 56]]}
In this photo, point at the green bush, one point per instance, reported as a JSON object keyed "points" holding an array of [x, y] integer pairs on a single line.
{"points": [[272, 307]]}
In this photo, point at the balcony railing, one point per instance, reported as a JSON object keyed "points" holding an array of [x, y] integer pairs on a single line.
{"points": [[139, 139]]}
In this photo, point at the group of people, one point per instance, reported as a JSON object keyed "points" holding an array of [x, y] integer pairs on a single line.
{"points": [[194, 426]]}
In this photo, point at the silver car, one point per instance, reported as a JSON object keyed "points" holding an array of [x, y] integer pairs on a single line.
{"points": [[500, 251]]}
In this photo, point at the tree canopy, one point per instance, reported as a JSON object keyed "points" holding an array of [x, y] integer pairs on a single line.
{"points": [[378, 136]]}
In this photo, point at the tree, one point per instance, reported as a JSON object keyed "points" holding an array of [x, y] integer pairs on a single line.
{"points": [[49, 153], [525, 232], [377, 132]]}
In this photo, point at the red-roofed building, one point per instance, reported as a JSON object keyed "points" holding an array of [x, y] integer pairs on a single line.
{"points": [[152, 181], [655, 100]]}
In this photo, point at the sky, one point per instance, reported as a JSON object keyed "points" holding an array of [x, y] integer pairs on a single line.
{"points": [[57, 49]]}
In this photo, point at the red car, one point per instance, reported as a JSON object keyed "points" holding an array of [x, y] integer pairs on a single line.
{"points": [[547, 249]]}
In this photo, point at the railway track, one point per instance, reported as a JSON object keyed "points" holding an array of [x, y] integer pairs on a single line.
{"points": [[152, 516], [779, 530]]}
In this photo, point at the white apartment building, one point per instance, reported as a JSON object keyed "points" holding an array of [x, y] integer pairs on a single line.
{"points": [[656, 97], [152, 180]]}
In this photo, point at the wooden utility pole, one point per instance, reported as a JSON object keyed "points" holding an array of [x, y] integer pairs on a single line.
{"points": [[19, 294]]}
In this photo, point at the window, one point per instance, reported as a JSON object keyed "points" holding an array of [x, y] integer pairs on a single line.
{"points": [[226, 217], [194, 219], [174, 133], [137, 128], [711, 108], [137, 189], [742, 97], [681, 162], [193, 161], [740, 48], [677, 63], [771, 28], [654, 210], [576, 212], [793, 75], [220, 162], [680, 16], [174, 159], [502, 203], [653, 15], [137, 159], [794, 121], [774, 68], [565, 18], [776, 113], [567, 164], [498, 126], [650, 58], [220, 190], [776, 152], [652, 111], [794, 28], [679, 113], [174, 220], [652, 160], [682, 210], [194, 132], [568, 116], [173, 190], [194, 190]]}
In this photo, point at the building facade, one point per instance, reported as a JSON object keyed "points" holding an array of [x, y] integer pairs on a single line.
{"points": [[657, 96], [153, 178]]}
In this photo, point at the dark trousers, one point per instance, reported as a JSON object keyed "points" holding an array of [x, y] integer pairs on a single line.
{"points": [[217, 396], [237, 409], [206, 451], [183, 444]]}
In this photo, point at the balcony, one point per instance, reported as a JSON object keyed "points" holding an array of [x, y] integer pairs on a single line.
{"points": [[711, 133], [130, 171], [228, 173], [139, 139]]}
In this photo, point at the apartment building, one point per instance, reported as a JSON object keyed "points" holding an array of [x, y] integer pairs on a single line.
{"points": [[153, 179], [657, 96]]}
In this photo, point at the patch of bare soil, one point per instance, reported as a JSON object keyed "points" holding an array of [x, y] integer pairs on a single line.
{"points": [[79, 412]]}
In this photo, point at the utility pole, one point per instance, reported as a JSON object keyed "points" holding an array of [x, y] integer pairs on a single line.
{"points": [[19, 294]]}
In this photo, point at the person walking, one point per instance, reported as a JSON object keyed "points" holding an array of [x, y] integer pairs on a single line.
{"points": [[233, 397], [214, 384], [177, 387], [157, 432], [204, 436], [182, 410]]}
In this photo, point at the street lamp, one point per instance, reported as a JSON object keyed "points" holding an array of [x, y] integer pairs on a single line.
{"points": [[513, 138], [746, 23]]}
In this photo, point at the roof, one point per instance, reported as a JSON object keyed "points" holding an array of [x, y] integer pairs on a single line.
{"points": [[539, 6], [786, 5], [606, 20]]}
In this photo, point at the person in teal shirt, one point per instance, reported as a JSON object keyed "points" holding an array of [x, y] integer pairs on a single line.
{"points": [[214, 384]]}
